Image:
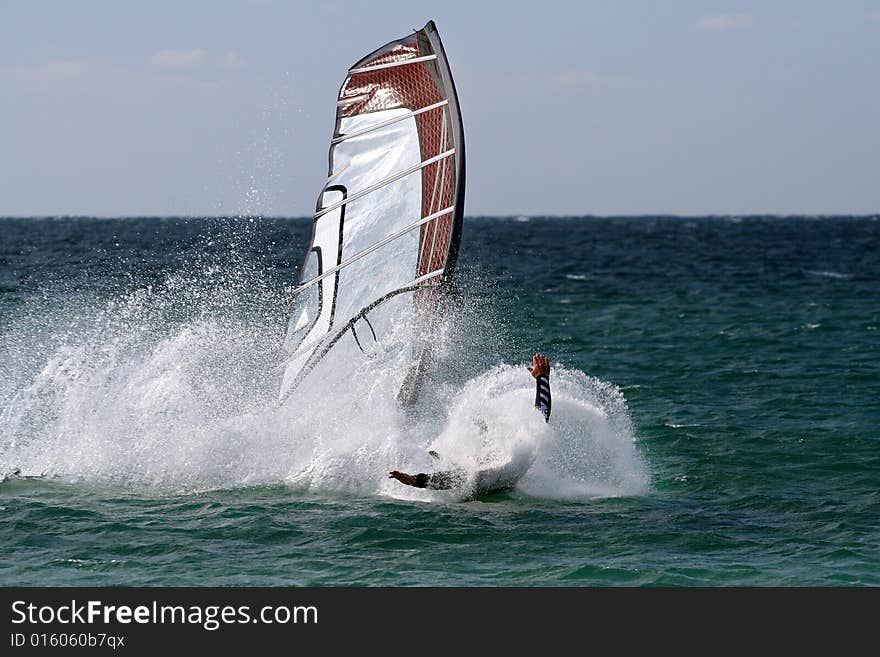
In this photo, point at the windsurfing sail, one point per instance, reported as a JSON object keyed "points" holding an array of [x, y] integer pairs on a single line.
{"points": [[388, 221]]}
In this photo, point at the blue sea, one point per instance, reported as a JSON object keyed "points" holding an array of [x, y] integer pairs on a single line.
{"points": [[716, 418]]}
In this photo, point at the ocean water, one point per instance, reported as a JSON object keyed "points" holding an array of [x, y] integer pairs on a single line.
{"points": [[716, 415]]}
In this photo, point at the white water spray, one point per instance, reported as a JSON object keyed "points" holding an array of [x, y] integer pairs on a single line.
{"points": [[173, 389]]}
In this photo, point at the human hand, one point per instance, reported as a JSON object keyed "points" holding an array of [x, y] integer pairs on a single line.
{"points": [[540, 365], [402, 477]]}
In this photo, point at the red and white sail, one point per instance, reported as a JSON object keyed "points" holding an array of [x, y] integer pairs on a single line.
{"points": [[388, 220]]}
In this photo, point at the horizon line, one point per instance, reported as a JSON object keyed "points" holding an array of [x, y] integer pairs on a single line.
{"points": [[520, 216]]}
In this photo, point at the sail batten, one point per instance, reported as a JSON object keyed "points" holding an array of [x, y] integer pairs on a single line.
{"points": [[387, 223], [402, 62], [382, 183]]}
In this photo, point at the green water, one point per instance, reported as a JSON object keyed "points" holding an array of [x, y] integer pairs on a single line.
{"points": [[749, 450]]}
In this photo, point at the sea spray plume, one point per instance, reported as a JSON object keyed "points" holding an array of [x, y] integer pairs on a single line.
{"points": [[477, 415], [168, 383], [141, 387], [591, 450], [586, 451], [171, 388]]}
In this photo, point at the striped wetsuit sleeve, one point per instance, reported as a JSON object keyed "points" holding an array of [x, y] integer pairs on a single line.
{"points": [[542, 395]]}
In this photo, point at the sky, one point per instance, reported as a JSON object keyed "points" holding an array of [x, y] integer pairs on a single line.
{"points": [[570, 108]]}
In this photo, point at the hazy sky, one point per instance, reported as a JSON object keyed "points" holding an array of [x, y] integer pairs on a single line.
{"points": [[203, 108]]}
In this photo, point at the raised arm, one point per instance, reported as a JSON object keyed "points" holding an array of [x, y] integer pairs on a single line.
{"points": [[540, 369]]}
